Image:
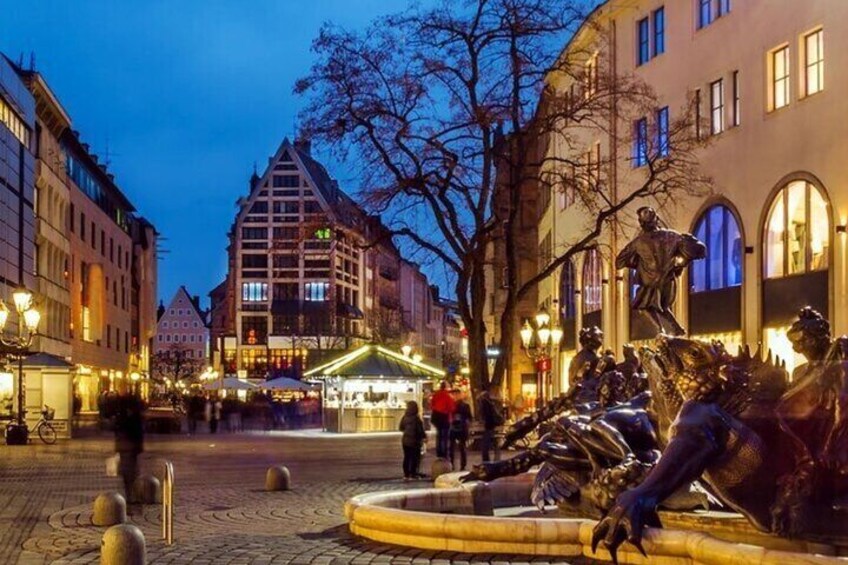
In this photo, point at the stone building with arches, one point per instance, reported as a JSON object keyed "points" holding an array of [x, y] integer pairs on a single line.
{"points": [[767, 81]]}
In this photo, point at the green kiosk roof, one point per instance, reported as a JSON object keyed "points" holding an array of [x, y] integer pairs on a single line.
{"points": [[375, 362]]}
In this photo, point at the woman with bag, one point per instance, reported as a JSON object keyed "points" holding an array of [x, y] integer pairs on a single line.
{"points": [[412, 440]]}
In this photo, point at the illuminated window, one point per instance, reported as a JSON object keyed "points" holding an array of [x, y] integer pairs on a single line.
{"points": [[780, 77], [254, 292], [797, 238], [717, 107], [316, 291], [590, 72], [814, 62], [323, 233], [722, 267], [254, 330], [592, 279]]}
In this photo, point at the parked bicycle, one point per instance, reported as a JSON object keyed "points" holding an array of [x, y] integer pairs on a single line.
{"points": [[44, 428]]}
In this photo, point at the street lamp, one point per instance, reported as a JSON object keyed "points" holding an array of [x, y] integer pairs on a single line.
{"points": [[539, 344], [406, 350], [18, 345]]}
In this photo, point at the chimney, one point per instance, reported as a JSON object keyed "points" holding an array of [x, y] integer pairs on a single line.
{"points": [[196, 300], [304, 145]]}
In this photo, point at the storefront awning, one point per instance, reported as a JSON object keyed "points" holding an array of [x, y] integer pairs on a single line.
{"points": [[285, 383], [374, 361]]}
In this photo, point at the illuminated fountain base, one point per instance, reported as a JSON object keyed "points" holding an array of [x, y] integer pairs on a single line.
{"points": [[497, 518]]}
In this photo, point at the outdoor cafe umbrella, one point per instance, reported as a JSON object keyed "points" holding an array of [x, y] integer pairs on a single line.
{"points": [[286, 383], [230, 383]]}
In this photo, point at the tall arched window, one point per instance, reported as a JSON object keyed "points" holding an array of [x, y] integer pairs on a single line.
{"points": [[797, 238], [566, 292], [592, 281], [568, 306], [722, 267]]}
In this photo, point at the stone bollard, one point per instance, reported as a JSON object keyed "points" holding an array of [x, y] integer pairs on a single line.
{"points": [[147, 490], [481, 495], [440, 467], [123, 545], [110, 508], [277, 478]]}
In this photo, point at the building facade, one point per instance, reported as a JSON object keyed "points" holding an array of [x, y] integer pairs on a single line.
{"points": [[17, 195], [182, 325], [766, 84], [296, 276]]}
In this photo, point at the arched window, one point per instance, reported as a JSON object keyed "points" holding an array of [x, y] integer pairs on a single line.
{"points": [[797, 238], [566, 292], [722, 267], [592, 279]]}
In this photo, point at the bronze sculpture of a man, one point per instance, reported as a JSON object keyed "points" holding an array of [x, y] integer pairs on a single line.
{"points": [[658, 255]]}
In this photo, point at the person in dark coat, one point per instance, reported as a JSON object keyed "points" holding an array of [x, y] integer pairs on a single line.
{"points": [[459, 428], [129, 439], [491, 414], [412, 440]]}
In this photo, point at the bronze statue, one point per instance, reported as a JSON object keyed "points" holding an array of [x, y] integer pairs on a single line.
{"points": [[594, 450], [774, 451], [587, 364], [659, 256]]}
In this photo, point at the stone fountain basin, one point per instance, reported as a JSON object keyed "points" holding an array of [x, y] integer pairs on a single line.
{"points": [[497, 517]]}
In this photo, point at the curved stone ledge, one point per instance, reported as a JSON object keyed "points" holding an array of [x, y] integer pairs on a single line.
{"points": [[441, 520]]}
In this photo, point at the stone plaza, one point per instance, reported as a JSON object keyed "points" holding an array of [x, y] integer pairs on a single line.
{"points": [[222, 512]]}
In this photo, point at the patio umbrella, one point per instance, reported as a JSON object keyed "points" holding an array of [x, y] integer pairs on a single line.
{"points": [[286, 383], [230, 383]]}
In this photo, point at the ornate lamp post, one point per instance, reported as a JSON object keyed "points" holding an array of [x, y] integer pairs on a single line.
{"points": [[539, 342], [18, 345]]}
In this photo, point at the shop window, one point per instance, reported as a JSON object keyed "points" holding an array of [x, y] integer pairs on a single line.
{"points": [[254, 330], [592, 282], [797, 238], [722, 268]]}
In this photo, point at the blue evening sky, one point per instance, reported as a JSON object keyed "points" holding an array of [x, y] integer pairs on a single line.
{"points": [[186, 95]]}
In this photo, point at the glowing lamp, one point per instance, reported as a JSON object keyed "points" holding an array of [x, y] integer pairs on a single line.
{"points": [[134, 376], [417, 358], [4, 314], [31, 319], [556, 335], [542, 318], [406, 350], [22, 299], [526, 334], [544, 336]]}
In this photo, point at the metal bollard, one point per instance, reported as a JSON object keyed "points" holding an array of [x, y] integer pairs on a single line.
{"points": [[168, 504]]}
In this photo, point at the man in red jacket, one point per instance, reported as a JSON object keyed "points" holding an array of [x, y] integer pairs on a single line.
{"points": [[442, 406]]}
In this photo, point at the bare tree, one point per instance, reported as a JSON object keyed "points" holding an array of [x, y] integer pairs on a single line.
{"points": [[442, 108], [175, 365]]}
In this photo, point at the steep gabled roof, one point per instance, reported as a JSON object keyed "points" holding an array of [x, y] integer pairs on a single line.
{"points": [[196, 307]]}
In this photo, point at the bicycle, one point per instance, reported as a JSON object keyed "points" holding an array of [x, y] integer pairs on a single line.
{"points": [[45, 430]]}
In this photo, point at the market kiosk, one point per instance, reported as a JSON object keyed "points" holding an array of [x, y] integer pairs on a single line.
{"points": [[366, 390]]}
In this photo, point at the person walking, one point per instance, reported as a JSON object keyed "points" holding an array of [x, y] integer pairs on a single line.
{"points": [[442, 406], [491, 414], [460, 425], [412, 440], [215, 413], [129, 439]]}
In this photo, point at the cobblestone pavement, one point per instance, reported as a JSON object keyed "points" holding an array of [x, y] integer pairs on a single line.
{"points": [[222, 515]]}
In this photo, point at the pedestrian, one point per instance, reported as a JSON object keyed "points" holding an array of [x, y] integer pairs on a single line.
{"points": [[412, 440], [215, 413], [441, 406], [491, 414], [460, 425], [129, 439]]}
